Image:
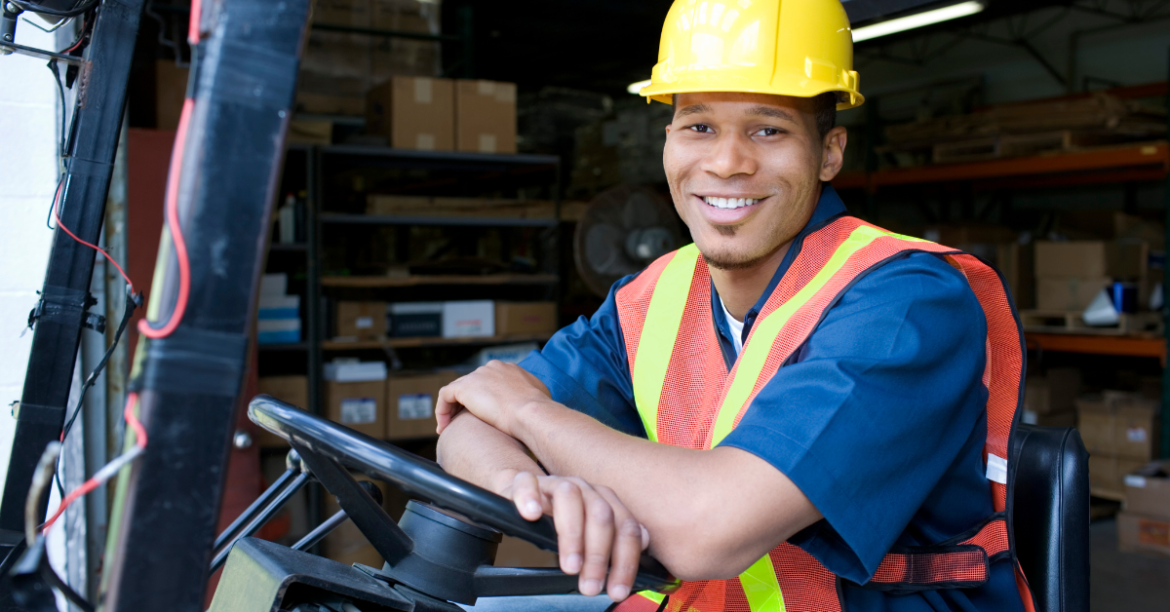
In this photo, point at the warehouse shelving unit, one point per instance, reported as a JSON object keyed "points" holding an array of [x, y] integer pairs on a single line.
{"points": [[1126, 163]]}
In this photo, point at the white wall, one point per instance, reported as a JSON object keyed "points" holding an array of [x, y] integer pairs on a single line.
{"points": [[30, 125]]}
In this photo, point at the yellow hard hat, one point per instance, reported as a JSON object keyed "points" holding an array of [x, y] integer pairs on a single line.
{"points": [[800, 48]]}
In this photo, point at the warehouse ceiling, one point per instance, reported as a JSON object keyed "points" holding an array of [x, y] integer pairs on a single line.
{"points": [[603, 45]]}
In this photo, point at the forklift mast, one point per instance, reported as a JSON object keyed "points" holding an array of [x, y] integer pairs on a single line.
{"points": [[189, 366]]}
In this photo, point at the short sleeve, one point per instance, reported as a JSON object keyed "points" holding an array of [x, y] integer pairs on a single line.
{"points": [[878, 405], [585, 368]]}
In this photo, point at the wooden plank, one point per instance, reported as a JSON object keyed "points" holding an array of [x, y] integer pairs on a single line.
{"points": [[349, 345], [416, 280]]}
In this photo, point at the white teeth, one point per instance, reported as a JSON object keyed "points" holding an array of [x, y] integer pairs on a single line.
{"points": [[729, 203]]}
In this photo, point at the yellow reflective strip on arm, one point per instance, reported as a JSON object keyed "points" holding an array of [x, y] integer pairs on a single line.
{"points": [[760, 586], [759, 346], [656, 344]]}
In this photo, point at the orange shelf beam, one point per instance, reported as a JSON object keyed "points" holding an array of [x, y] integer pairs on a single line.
{"points": [[1136, 161], [1125, 346]]}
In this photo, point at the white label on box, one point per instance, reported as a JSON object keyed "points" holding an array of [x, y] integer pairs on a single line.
{"points": [[487, 143], [423, 90], [1030, 417], [364, 322], [1137, 482], [425, 142], [359, 410], [486, 88], [506, 92], [1136, 434], [415, 406]]}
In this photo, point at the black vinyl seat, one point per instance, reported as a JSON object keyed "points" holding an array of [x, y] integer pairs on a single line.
{"points": [[1051, 516]]}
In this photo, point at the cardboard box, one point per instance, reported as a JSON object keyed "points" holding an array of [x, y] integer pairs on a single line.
{"points": [[357, 405], [415, 319], [1119, 424], [411, 405], [278, 331], [1053, 393], [472, 318], [1147, 490], [346, 544], [514, 552], [958, 236], [514, 318], [1063, 420], [485, 117], [361, 320], [1143, 533], [1069, 293], [1091, 258], [289, 389], [1017, 264], [507, 353], [1107, 474], [413, 113], [310, 132]]}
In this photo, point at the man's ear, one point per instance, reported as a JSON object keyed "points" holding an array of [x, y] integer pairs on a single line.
{"points": [[833, 153]]}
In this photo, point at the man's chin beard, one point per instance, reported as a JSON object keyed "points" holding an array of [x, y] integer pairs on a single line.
{"points": [[729, 263]]}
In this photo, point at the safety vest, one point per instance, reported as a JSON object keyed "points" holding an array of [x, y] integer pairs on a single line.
{"points": [[686, 397]]}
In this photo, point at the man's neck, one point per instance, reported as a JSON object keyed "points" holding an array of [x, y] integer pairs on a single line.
{"points": [[740, 289]]}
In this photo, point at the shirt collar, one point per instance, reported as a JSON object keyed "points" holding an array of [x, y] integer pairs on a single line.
{"points": [[829, 206]]}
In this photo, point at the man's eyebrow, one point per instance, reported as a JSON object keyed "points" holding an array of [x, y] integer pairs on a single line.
{"points": [[771, 111], [693, 109]]}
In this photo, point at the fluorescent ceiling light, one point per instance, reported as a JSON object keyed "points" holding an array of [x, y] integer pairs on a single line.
{"points": [[918, 20], [636, 88]]}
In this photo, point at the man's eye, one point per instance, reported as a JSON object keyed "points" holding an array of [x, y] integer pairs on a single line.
{"points": [[768, 131], [700, 128]]}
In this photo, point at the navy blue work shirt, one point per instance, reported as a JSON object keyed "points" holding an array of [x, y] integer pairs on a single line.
{"points": [[879, 418]]}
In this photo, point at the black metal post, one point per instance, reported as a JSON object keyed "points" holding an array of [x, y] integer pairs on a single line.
{"points": [[65, 299], [165, 511], [1166, 313]]}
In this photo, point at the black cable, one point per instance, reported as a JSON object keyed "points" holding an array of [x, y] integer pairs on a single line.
{"points": [[73, 12], [133, 301], [56, 194]]}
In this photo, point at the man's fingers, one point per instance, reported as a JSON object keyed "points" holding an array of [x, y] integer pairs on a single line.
{"points": [[527, 497], [599, 532], [627, 547], [445, 407], [569, 517]]}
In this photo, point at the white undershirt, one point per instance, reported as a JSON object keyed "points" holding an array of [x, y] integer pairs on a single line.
{"points": [[736, 328]]}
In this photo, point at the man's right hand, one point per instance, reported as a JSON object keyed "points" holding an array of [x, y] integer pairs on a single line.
{"points": [[596, 534]]}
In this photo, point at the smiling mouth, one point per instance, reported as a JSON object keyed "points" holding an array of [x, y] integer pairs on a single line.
{"points": [[729, 203]]}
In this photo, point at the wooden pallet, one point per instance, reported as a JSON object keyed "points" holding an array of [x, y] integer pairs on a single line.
{"points": [[1062, 322], [1022, 145]]}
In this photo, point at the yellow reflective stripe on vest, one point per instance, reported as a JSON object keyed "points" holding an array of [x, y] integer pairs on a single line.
{"points": [[760, 585], [751, 361], [653, 596], [656, 344]]}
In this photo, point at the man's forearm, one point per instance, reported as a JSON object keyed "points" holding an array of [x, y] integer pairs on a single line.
{"points": [[481, 454], [710, 514]]}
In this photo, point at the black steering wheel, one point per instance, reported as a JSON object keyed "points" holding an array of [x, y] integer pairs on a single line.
{"points": [[325, 446]]}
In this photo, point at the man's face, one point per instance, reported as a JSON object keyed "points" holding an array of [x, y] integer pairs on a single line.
{"points": [[745, 171]]}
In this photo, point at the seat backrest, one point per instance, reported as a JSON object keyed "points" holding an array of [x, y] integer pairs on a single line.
{"points": [[1051, 516]]}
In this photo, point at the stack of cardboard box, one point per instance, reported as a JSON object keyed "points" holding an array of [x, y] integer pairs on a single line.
{"points": [[433, 114], [1145, 523], [1120, 431], [1070, 274], [1050, 400], [338, 68], [453, 319]]}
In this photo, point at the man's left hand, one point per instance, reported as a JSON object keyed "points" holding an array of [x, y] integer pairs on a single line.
{"points": [[493, 393]]}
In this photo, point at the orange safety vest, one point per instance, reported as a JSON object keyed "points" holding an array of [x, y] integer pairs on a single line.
{"points": [[686, 397]]}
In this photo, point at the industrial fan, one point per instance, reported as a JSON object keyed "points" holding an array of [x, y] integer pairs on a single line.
{"points": [[622, 231]]}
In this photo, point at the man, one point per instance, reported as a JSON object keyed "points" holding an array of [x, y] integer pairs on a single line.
{"points": [[791, 414]]}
